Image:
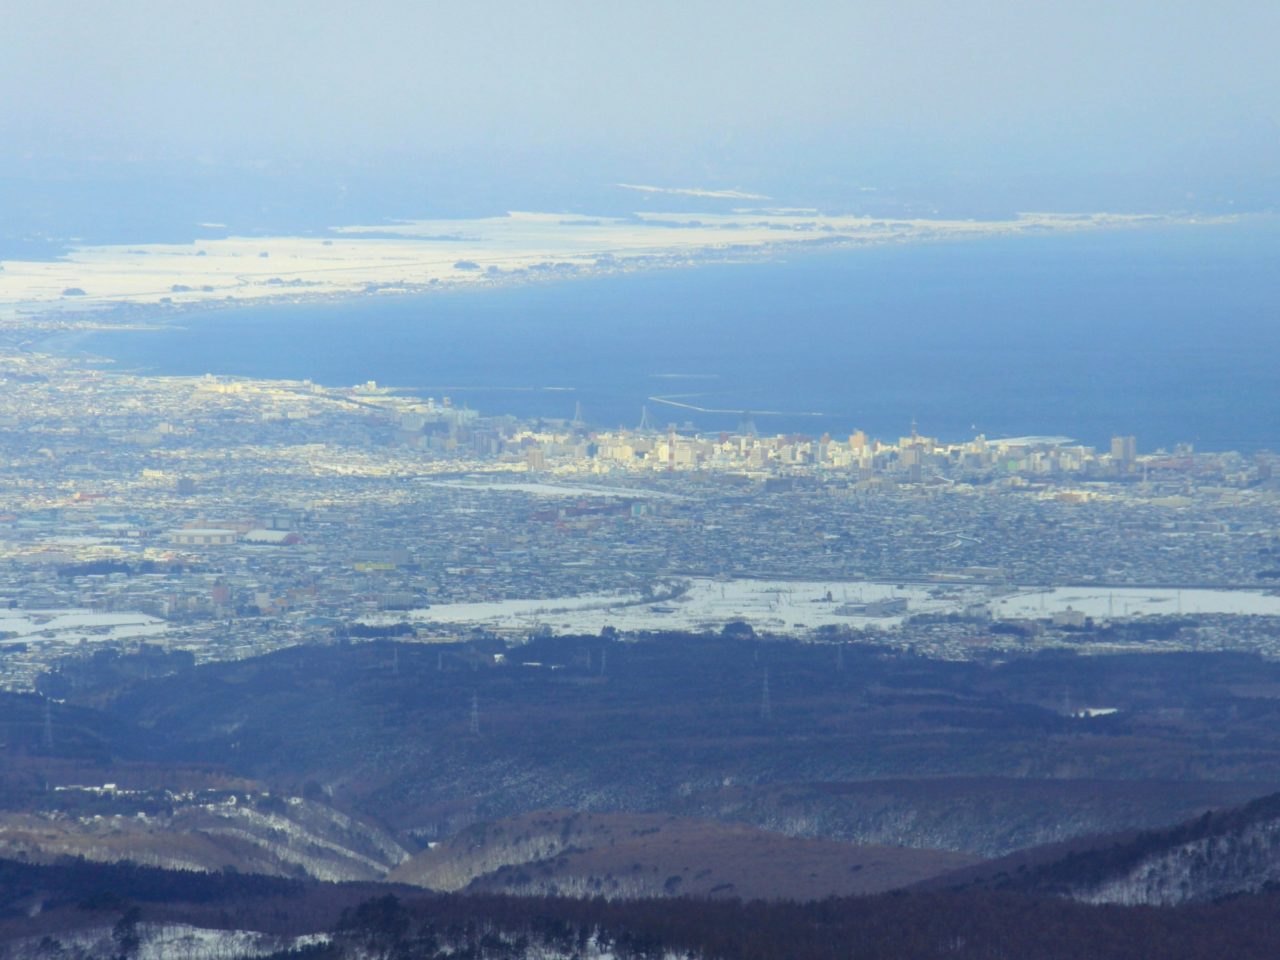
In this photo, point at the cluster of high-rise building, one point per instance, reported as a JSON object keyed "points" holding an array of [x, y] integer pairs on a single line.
{"points": [[913, 457]]}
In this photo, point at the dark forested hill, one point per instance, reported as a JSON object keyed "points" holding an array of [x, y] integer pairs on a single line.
{"points": [[48, 912], [702, 759], [1220, 854], [630, 855], [985, 757]]}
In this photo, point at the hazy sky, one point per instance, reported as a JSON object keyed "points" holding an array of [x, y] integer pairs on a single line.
{"points": [[758, 96]]}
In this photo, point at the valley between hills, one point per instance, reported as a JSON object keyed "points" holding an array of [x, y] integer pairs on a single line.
{"points": [[694, 765]]}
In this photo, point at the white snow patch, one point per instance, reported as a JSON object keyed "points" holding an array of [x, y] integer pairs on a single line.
{"points": [[74, 625], [1119, 602], [789, 605]]}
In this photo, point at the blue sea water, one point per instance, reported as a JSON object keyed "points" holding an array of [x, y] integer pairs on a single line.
{"points": [[1169, 333]]}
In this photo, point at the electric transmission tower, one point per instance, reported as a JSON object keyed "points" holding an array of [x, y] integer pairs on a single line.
{"points": [[48, 726]]}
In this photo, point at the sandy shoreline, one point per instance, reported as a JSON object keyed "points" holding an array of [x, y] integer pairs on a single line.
{"points": [[113, 286]]}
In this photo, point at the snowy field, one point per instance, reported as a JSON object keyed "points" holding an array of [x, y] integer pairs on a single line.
{"points": [[354, 259], [708, 604], [72, 626], [1122, 602], [781, 605], [163, 941]]}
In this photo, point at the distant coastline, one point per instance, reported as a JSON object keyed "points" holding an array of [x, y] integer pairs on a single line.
{"points": [[1163, 332], [104, 285]]}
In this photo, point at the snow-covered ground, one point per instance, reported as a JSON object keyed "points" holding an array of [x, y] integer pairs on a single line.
{"points": [[1121, 602], [767, 604], [161, 941], [72, 626], [793, 605], [519, 245]]}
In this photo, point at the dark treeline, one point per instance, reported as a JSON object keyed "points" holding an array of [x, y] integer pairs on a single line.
{"points": [[97, 885], [919, 925], [106, 669], [905, 925], [954, 924], [367, 631], [389, 724], [1085, 868]]}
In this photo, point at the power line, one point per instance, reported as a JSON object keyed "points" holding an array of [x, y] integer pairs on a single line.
{"points": [[48, 726]]}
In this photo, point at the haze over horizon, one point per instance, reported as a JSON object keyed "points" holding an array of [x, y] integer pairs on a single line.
{"points": [[131, 122], [468, 471]]}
